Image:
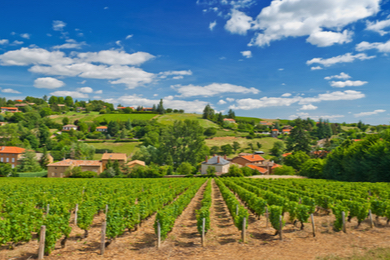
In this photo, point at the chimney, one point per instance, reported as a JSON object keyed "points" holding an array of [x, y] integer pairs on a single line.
{"points": [[218, 161], [224, 157], [207, 158], [253, 156], [213, 155]]}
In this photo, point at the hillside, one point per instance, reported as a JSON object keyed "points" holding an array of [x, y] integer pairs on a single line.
{"points": [[168, 119], [95, 116]]}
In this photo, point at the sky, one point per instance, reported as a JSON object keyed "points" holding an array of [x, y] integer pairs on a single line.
{"points": [[267, 59]]}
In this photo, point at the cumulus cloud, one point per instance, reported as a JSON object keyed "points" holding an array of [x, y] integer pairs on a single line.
{"points": [[230, 99], [26, 56], [247, 54], [221, 102], [250, 103], [48, 82], [212, 90], [25, 35], [70, 44], [239, 22], [135, 100], [341, 76], [370, 113], [10, 90], [99, 92], [3, 41], [379, 46], [348, 57], [330, 117], [212, 25], [164, 74], [73, 94], [85, 90], [316, 68], [308, 107], [347, 83], [58, 25], [16, 42], [115, 57], [286, 95], [321, 20], [129, 36], [378, 26]]}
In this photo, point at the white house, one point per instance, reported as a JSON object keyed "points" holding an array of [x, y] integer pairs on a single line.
{"points": [[69, 127], [218, 162]]}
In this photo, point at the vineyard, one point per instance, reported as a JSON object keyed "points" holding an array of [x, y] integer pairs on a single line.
{"points": [[144, 218]]}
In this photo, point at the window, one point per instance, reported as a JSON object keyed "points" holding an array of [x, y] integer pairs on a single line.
{"points": [[13, 159], [13, 166], [1, 159], [7, 159]]}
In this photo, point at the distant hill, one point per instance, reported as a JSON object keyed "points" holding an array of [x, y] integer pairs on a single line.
{"points": [[168, 119]]}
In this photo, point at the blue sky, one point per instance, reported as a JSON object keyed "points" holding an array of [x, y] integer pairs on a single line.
{"points": [[266, 59]]}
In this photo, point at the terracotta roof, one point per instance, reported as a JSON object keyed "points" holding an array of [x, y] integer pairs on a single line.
{"points": [[229, 119], [276, 166], [275, 130], [356, 140], [135, 162], [121, 107], [260, 169], [60, 105], [286, 130], [19, 100], [11, 149], [69, 126], [253, 158], [101, 127], [9, 108], [69, 162], [114, 156], [286, 154]]}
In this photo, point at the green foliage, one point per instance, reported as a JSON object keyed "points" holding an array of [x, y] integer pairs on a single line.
{"points": [[284, 170], [85, 174], [296, 160], [184, 168], [312, 168], [337, 211], [6, 169], [211, 131], [204, 211], [29, 162], [275, 213], [299, 139]]}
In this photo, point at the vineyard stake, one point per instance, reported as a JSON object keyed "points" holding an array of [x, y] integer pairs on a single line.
{"points": [[47, 209], [203, 228], [343, 217], [106, 210], [158, 234], [371, 222], [280, 227], [236, 209], [42, 238], [75, 214], [243, 230], [103, 238], [312, 223], [266, 217]]}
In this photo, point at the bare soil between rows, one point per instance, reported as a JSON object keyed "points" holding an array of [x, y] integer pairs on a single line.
{"points": [[223, 241]]}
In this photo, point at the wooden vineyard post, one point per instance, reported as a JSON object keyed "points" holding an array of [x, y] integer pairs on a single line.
{"points": [[103, 238], [312, 224], [266, 217], [158, 234], [42, 238], [280, 227], [370, 216], [47, 209], [75, 214], [243, 230], [344, 227], [203, 229], [236, 209]]}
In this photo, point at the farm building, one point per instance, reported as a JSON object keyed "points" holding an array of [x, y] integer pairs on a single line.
{"points": [[220, 164], [57, 170]]}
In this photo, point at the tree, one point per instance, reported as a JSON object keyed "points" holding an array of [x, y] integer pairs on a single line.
{"points": [[29, 162], [53, 100], [231, 114], [214, 150], [123, 133], [128, 124], [65, 121], [296, 160], [210, 131], [152, 138], [226, 149], [277, 149], [298, 139], [82, 151], [259, 145], [127, 110], [185, 168], [236, 146], [69, 101], [160, 107], [44, 161], [6, 169], [211, 170], [208, 112], [312, 168], [45, 98], [113, 128], [284, 170]]}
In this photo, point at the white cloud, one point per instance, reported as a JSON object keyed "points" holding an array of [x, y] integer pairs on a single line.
{"points": [[16, 42], [73, 94], [177, 77], [70, 44], [155, 95], [105, 8], [97, 97], [176, 72], [286, 95], [378, 26], [115, 57], [82, 82], [247, 54], [341, 76], [58, 25], [99, 92], [135, 100], [85, 90], [281, 69], [212, 90], [48, 82], [239, 22], [379, 46], [26, 56], [221, 102], [348, 57], [212, 25], [321, 20], [316, 68], [370, 113], [308, 107], [129, 36], [250, 103], [3, 41], [10, 90], [118, 43], [347, 83], [25, 35], [230, 99]]}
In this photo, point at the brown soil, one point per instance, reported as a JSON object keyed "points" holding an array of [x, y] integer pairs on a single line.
{"points": [[222, 240]]}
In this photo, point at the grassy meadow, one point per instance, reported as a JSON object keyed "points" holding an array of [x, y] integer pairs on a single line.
{"points": [[168, 119], [127, 148]]}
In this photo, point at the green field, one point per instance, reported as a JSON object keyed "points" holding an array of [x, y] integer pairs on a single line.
{"points": [[75, 116], [95, 116], [249, 119], [127, 148], [168, 119]]}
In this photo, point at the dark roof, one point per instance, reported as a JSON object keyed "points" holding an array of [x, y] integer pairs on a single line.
{"points": [[214, 160]]}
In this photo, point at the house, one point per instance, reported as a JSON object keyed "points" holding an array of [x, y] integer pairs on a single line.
{"points": [[61, 105], [286, 131], [21, 105], [102, 128], [11, 154], [275, 132], [261, 170], [9, 109], [120, 157], [69, 127], [286, 154], [57, 170], [266, 123], [3, 123], [244, 160], [18, 100], [229, 120], [220, 164], [148, 109], [135, 163], [120, 108]]}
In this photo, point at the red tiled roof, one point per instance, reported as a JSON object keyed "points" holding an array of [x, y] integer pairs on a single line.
{"points": [[276, 165], [260, 169], [10, 108], [286, 154], [11, 149], [229, 119], [101, 127], [19, 100], [275, 130], [356, 140], [286, 130], [69, 162], [121, 107], [253, 158]]}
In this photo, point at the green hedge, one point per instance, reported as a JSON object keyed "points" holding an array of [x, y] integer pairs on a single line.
{"points": [[32, 174]]}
